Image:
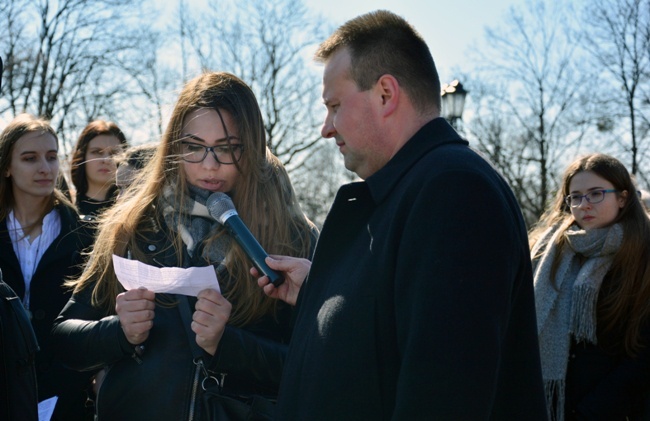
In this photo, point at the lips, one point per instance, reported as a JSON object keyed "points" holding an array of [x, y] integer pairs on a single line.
{"points": [[212, 185]]}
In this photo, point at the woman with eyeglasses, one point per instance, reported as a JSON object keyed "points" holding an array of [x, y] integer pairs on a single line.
{"points": [[41, 246], [92, 167], [214, 142], [591, 260]]}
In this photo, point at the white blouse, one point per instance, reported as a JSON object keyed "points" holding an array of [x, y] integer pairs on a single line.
{"points": [[29, 251]]}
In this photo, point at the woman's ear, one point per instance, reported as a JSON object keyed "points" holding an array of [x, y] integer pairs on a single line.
{"points": [[622, 199]]}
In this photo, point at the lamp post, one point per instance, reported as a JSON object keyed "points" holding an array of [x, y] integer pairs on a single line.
{"points": [[453, 101]]}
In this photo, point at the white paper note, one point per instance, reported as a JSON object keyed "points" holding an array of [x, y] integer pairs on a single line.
{"points": [[133, 274]]}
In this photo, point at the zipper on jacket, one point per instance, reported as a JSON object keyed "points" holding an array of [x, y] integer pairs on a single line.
{"points": [[195, 387]]}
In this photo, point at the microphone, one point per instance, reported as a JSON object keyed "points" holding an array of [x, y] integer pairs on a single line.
{"points": [[222, 209]]}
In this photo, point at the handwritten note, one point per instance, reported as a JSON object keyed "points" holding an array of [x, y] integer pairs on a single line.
{"points": [[133, 274]]}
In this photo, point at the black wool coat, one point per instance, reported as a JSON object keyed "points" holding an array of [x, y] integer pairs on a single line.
{"points": [[419, 303]]}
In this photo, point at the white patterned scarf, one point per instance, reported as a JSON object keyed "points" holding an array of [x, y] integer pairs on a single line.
{"points": [[567, 307]]}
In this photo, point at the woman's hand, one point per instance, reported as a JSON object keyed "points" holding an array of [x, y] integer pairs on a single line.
{"points": [[211, 314], [294, 270], [135, 309]]}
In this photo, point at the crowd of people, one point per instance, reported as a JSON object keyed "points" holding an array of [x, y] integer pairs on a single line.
{"points": [[423, 296]]}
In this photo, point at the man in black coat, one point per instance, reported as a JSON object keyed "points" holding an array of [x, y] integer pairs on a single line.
{"points": [[419, 303]]}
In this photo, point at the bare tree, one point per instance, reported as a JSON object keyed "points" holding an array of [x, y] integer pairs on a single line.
{"points": [[153, 84], [618, 37], [266, 43], [62, 58], [317, 182], [529, 118]]}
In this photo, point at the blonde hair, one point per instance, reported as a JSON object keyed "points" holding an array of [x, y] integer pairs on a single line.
{"points": [[264, 200]]}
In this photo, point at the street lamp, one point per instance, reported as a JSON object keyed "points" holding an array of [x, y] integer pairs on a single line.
{"points": [[453, 101]]}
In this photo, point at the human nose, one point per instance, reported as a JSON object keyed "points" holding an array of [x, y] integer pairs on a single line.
{"points": [[328, 131], [584, 203], [210, 159], [107, 155], [47, 166]]}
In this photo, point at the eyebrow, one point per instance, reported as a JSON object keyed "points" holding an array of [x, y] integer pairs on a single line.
{"points": [[590, 189], [198, 139], [28, 152]]}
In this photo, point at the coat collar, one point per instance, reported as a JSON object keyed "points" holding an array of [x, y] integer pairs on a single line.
{"points": [[433, 134]]}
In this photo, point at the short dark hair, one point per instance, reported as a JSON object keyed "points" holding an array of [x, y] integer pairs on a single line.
{"points": [[382, 43]]}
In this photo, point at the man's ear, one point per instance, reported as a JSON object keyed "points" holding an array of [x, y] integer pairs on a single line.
{"points": [[389, 91]]}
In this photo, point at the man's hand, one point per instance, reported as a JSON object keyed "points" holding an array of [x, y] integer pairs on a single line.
{"points": [[294, 270]]}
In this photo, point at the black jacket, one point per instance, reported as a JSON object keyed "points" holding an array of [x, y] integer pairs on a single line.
{"points": [[602, 381], [18, 347], [62, 260], [160, 384], [419, 303], [91, 208]]}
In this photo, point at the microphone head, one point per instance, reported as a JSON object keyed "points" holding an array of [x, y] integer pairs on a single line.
{"points": [[220, 206]]}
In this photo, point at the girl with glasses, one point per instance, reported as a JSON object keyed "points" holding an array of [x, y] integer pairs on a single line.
{"points": [[214, 142], [42, 240], [591, 261]]}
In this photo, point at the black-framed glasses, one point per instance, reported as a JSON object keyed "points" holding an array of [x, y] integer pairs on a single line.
{"points": [[594, 196], [224, 154]]}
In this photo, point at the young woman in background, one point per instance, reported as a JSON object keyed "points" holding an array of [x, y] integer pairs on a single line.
{"points": [[42, 241], [591, 259], [92, 168]]}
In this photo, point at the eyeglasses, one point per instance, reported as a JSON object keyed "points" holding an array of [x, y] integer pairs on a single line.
{"points": [[595, 196], [224, 154]]}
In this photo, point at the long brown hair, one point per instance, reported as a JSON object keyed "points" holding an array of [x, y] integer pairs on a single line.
{"points": [[264, 200], [78, 159], [627, 307], [21, 125]]}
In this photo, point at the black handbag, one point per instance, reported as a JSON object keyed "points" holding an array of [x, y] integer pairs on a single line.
{"points": [[217, 404]]}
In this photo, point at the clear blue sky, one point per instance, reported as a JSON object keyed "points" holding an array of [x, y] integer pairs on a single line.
{"points": [[448, 26]]}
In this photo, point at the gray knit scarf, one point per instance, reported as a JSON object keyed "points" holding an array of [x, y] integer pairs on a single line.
{"points": [[191, 219], [567, 308]]}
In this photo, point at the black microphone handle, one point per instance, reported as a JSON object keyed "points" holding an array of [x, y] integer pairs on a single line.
{"points": [[252, 248]]}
